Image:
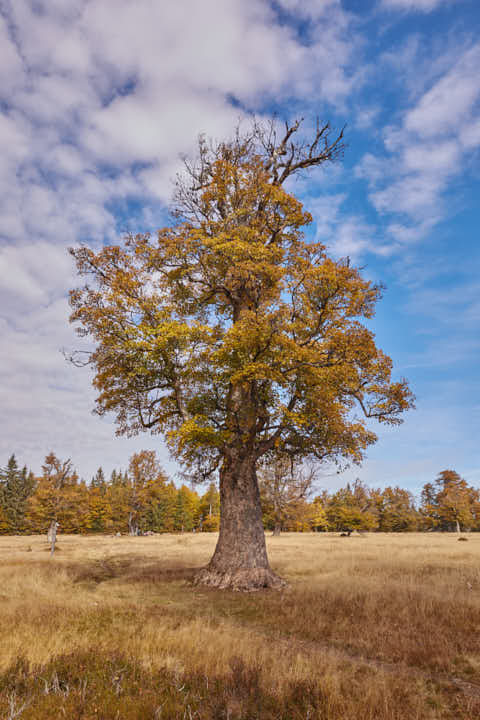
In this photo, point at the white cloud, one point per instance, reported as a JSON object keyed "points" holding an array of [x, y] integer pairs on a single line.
{"points": [[426, 151], [470, 135], [352, 237], [345, 234], [33, 273], [11, 65], [440, 157], [309, 8], [450, 101], [372, 168], [408, 233], [415, 5], [143, 128], [366, 117], [412, 195]]}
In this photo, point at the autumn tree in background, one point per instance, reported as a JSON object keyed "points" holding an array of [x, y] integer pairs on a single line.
{"points": [[157, 505], [396, 510], [98, 482], [162, 507], [449, 503], [235, 337], [58, 497], [4, 524], [454, 501], [352, 508], [99, 511], [144, 474], [186, 510], [284, 488], [317, 515], [209, 509], [117, 495]]}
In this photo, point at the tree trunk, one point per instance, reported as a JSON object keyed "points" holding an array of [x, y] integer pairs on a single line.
{"points": [[132, 525], [240, 560], [276, 530], [457, 524], [52, 536]]}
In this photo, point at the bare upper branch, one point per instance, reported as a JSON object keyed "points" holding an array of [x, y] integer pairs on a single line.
{"points": [[287, 156]]}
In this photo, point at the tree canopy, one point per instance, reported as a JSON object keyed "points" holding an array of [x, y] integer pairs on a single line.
{"points": [[232, 334]]}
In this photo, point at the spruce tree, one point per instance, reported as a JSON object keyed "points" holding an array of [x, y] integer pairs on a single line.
{"points": [[17, 486]]}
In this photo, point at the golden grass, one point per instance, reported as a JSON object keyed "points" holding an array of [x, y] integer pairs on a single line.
{"points": [[375, 626]]}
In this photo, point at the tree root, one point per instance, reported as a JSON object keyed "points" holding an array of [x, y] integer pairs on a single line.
{"points": [[240, 580]]}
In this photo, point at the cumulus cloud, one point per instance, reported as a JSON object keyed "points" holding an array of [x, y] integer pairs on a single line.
{"points": [[127, 87]]}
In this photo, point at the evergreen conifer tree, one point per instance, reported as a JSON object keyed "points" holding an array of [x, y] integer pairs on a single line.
{"points": [[17, 486]]}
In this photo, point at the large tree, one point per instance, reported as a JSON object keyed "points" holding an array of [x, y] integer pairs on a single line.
{"points": [[236, 337]]}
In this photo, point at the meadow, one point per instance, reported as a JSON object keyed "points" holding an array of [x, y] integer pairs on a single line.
{"points": [[383, 626]]}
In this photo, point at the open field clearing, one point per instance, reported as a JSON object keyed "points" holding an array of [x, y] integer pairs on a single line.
{"points": [[374, 626]]}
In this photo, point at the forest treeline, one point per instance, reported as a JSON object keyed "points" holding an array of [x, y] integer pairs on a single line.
{"points": [[143, 499]]}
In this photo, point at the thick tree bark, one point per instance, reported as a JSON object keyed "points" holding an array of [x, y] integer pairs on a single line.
{"points": [[240, 560]]}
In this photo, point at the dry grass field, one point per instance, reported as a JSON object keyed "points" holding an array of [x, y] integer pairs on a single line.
{"points": [[375, 626]]}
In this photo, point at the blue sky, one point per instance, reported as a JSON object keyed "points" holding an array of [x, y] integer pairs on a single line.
{"points": [[100, 98]]}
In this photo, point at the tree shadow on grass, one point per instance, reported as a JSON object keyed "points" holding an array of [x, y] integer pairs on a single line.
{"points": [[130, 570]]}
